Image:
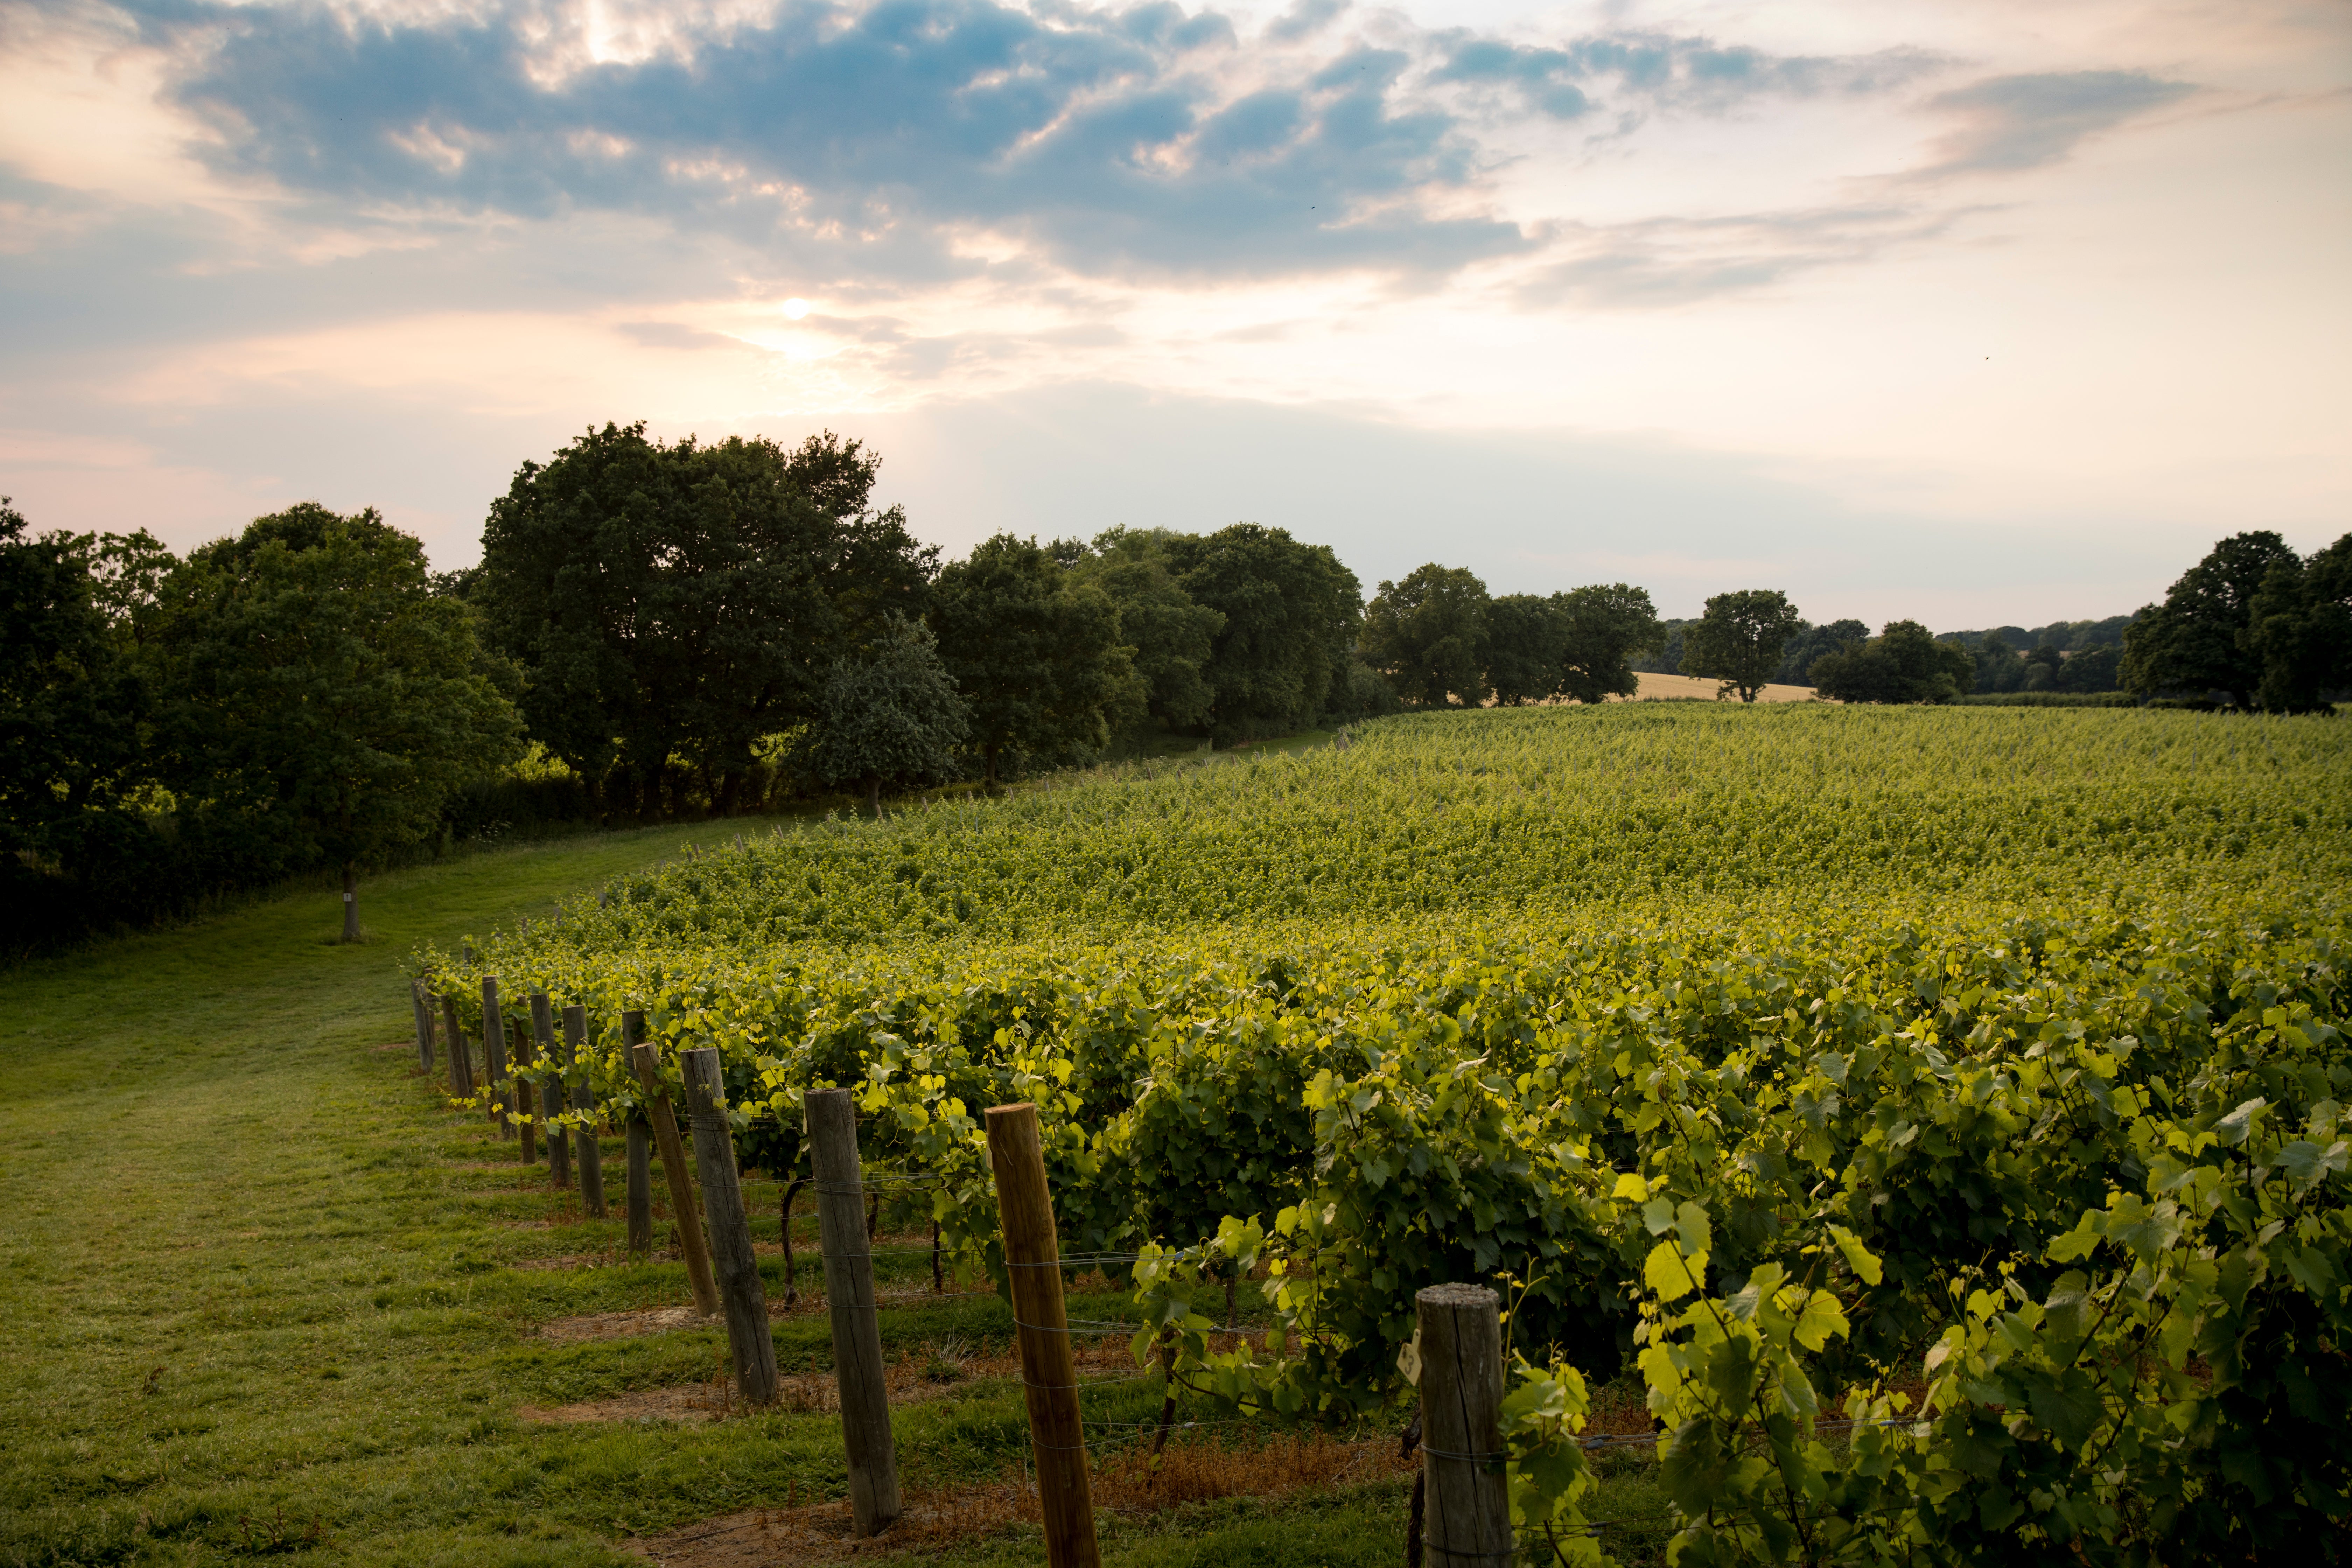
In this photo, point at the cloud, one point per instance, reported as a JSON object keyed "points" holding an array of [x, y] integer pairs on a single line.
{"points": [[1304, 20], [1665, 262], [2009, 122], [1637, 70], [671, 335], [836, 140], [846, 140]]}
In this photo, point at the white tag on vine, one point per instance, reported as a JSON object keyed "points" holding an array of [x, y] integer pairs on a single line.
{"points": [[1409, 1359]]}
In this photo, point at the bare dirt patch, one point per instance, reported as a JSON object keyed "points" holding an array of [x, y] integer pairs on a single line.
{"points": [[1126, 1482], [619, 1325]]}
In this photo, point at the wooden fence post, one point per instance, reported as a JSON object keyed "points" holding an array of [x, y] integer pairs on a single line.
{"points": [[746, 1299], [1468, 1511], [558, 1143], [583, 1098], [424, 1027], [682, 1207], [493, 1053], [1032, 1256], [526, 1061], [640, 1134], [461, 1061], [874, 1501]]}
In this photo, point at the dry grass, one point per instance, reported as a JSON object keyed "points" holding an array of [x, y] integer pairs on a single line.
{"points": [[1653, 687]]}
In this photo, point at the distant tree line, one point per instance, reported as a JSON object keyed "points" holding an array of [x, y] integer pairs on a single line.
{"points": [[1437, 640], [667, 629], [2252, 627]]}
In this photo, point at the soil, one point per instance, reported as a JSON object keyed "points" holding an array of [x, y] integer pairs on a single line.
{"points": [[1188, 1472]]}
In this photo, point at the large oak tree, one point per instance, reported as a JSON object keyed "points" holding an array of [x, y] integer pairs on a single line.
{"points": [[1428, 635], [311, 683], [688, 600], [1292, 612], [1740, 639], [2200, 639]]}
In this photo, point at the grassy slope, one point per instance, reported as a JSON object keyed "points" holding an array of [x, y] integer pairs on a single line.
{"points": [[252, 1279]]}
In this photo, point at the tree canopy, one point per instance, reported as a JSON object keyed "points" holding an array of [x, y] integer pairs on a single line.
{"points": [[311, 682], [1034, 653], [684, 599], [1904, 663], [1291, 612], [1428, 635], [1740, 639], [891, 716], [2200, 639], [1580, 644], [75, 765], [2301, 629], [1172, 638], [1605, 626]]}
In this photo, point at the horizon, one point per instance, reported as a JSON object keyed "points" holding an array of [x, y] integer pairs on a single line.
{"points": [[1954, 313]]}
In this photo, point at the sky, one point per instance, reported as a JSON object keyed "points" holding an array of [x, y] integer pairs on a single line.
{"points": [[1981, 312]]}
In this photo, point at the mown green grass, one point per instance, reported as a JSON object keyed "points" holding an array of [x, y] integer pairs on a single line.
{"points": [[256, 1286]]}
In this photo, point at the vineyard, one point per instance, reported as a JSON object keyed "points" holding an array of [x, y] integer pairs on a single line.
{"points": [[1936, 1111]]}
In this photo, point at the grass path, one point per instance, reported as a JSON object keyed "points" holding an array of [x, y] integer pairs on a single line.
{"points": [[255, 1286]]}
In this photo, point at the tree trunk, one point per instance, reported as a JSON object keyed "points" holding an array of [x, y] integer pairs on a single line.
{"points": [[729, 782], [351, 903], [988, 767], [873, 793]]}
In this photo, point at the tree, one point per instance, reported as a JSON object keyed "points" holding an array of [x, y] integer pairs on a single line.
{"points": [[1036, 656], [1809, 643], [2090, 668], [1666, 658], [2198, 639], [1291, 614], [76, 773], [311, 682], [2301, 627], [1603, 627], [1428, 636], [1738, 641], [891, 716], [688, 599], [1173, 638], [1527, 645], [1904, 663], [1998, 667]]}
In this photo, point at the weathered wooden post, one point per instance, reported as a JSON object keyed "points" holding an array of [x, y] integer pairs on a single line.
{"points": [[1033, 1255], [640, 1138], [461, 1063], [738, 1268], [559, 1144], [682, 1207], [1468, 1511], [526, 1100], [423, 1026], [493, 1053], [849, 1300], [583, 1098]]}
